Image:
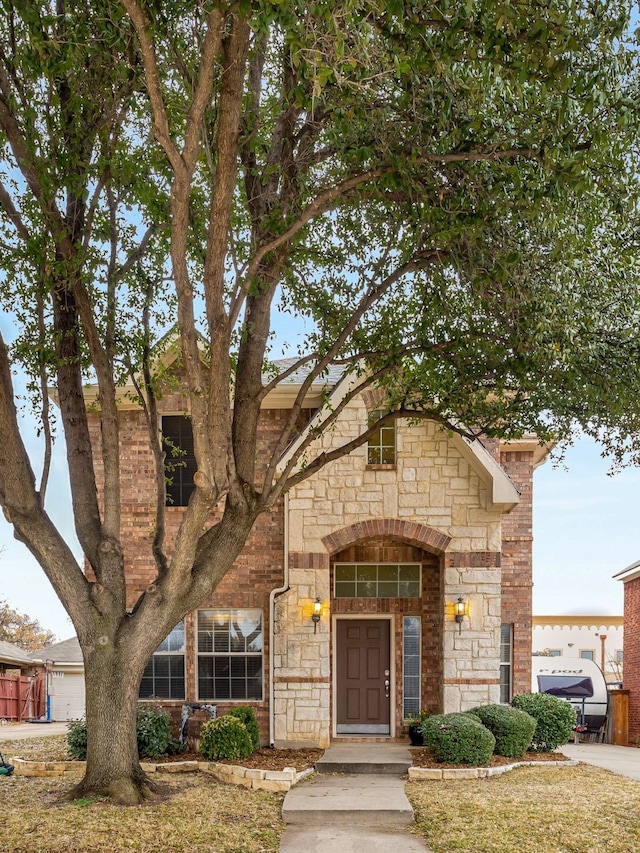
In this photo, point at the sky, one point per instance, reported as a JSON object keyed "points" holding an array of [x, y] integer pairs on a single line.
{"points": [[586, 528]]}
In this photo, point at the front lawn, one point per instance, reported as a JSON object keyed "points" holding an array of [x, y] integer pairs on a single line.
{"points": [[195, 814], [530, 810]]}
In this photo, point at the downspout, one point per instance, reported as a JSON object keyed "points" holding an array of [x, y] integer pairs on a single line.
{"points": [[272, 612]]}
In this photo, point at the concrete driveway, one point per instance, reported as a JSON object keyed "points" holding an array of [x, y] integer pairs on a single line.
{"points": [[624, 760], [14, 731]]}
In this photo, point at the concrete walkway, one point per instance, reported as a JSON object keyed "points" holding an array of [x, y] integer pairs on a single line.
{"points": [[19, 731], [355, 803], [623, 760]]}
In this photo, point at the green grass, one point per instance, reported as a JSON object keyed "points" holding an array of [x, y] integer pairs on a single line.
{"points": [[530, 810]]}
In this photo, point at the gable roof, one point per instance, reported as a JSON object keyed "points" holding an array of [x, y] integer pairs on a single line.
{"points": [[67, 651], [14, 654], [503, 494], [629, 574]]}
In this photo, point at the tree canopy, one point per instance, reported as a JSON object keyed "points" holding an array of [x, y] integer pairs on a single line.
{"points": [[447, 192], [21, 630]]}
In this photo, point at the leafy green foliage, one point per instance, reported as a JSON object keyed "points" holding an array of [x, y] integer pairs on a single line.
{"points": [[225, 737], [247, 715], [512, 728], [555, 719], [458, 739], [77, 739], [153, 734], [445, 199]]}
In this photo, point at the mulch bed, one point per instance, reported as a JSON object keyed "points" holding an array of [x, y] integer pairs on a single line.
{"points": [[422, 757], [261, 759], [278, 759]]}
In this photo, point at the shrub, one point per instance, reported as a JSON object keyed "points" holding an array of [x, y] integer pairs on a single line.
{"points": [[555, 719], [247, 716], [77, 739], [225, 737], [458, 739], [153, 734], [512, 728]]}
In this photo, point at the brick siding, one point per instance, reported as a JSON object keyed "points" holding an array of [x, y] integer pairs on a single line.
{"points": [[517, 583], [631, 655]]}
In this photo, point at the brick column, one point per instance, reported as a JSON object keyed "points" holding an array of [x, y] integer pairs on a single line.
{"points": [[517, 583], [631, 655]]}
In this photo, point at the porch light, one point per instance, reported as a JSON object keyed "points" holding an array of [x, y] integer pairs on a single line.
{"points": [[460, 611], [317, 613]]}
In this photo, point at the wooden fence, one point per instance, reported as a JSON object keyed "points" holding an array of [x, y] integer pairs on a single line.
{"points": [[21, 697]]}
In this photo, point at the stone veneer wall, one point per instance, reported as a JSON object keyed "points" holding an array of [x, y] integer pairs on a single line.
{"points": [[431, 488], [631, 656], [302, 656]]}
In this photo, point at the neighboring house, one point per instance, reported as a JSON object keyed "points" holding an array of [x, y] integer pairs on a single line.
{"points": [[597, 638], [380, 546], [21, 684], [14, 659], [630, 577], [64, 666]]}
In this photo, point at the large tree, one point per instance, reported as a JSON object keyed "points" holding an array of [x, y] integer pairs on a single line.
{"points": [[445, 190]]}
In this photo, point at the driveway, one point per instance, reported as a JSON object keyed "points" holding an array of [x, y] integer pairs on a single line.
{"points": [[624, 760], [16, 731]]}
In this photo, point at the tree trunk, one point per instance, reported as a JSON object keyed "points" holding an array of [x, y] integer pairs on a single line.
{"points": [[113, 769]]}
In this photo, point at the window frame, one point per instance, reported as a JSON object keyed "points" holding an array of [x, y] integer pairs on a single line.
{"points": [[171, 657], [506, 663], [376, 444], [177, 433], [414, 699], [378, 581], [229, 655], [587, 654]]}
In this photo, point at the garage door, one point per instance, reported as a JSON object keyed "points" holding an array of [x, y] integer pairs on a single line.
{"points": [[66, 690]]}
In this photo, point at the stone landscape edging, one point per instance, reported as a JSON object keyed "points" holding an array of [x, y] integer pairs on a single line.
{"points": [[436, 774], [232, 774]]}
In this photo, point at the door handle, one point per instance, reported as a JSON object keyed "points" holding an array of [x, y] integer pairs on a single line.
{"points": [[386, 688]]}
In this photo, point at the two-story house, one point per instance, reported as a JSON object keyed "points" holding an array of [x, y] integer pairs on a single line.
{"points": [[395, 578]]}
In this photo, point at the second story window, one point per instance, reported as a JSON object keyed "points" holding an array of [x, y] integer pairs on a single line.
{"points": [[381, 448], [179, 462]]}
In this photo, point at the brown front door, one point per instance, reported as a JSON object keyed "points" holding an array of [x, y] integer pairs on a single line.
{"points": [[363, 676]]}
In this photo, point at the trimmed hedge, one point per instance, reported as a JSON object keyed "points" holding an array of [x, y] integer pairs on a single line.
{"points": [[153, 733], [512, 728], [555, 719], [458, 739], [225, 737], [247, 716]]}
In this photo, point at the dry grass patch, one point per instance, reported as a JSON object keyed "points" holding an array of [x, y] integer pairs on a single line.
{"points": [[530, 810], [195, 815], [46, 748]]}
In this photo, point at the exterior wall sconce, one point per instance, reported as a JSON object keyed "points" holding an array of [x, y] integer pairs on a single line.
{"points": [[316, 614], [459, 612]]}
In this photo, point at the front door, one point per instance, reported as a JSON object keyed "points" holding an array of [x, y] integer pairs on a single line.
{"points": [[363, 676]]}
